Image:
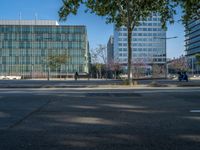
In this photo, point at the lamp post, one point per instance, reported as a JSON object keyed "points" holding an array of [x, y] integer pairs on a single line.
{"points": [[166, 38], [67, 68], [48, 73], [32, 71]]}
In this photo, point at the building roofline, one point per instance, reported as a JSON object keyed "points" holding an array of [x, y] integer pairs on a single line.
{"points": [[35, 23], [29, 22]]}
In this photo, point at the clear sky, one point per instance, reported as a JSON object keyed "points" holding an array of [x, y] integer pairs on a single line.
{"points": [[98, 30]]}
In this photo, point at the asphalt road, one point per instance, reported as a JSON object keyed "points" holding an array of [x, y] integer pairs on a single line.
{"points": [[53, 119]]}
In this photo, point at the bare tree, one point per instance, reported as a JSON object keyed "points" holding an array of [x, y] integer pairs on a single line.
{"points": [[115, 67], [179, 64], [99, 58], [99, 54], [138, 67]]}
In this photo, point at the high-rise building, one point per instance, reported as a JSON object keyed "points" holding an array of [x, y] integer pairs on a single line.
{"points": [[26, 45], [110, 50], [192, 43], [148, 44]]}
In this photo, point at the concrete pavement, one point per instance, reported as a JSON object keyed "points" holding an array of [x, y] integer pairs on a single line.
{"points": [[94, 83]]}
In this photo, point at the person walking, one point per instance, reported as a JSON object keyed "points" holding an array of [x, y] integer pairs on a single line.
{"points": [[76, 76]]}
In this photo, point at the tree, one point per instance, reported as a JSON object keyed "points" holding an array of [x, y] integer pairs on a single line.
{"points": [[127, 13], [179, 64], [190, 9], [99, 54], [115, 68], [56, 61], [198, 58], [99, 59], [139, 65]]}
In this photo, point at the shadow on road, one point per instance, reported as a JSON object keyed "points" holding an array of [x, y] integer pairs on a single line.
{"points": [[89, 121]]}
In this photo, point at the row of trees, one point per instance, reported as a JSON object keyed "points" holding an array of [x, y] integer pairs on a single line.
{"points": [[140, 67], [184, 64], [178, 64], [129, 13], [100, 68]]}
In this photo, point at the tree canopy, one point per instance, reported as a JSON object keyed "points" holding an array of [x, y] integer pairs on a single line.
{"points": [[118, 11], [55, 61], [129, 13], [190, 9], [198, 58]]}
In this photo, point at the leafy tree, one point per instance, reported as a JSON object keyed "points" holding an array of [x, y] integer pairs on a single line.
{"points": [[190, 9], [98, 70], [128, 13], [56, 61], [198, 58]]}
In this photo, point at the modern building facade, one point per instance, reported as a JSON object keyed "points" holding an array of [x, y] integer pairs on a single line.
{"points": [[26, 45], [192, 43], [148, 44], [110, 50]]}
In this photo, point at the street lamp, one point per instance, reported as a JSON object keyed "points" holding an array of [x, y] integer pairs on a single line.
{"points": [[166, 38], [48, 77], [32, 71], [67, 67], [47, 71]]}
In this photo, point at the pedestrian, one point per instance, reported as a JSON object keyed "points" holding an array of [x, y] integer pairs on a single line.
{"points": [[76, 76]]}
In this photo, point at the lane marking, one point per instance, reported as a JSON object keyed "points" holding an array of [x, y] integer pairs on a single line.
{"points": [[195, 111]]}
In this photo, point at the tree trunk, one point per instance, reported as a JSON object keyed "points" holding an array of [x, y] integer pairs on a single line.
{"points": [[129, 43], [60, 73], [129, 56], [100, 73]]}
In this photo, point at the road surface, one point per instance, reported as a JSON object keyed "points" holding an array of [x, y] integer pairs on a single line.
{"points": [[85, 119]]}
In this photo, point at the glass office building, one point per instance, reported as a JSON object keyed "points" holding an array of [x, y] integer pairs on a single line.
{"points": [[26, 45], [192, 43], [110, 53], [148, 44], [192, 37]]}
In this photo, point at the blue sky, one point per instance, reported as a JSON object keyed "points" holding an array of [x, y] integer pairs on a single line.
{"points": [[98, 30]]}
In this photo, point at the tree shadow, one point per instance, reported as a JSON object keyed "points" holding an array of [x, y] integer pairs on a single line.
{"points": [[103, 122]]}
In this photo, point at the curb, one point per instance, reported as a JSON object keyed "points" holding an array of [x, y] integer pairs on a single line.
{"points": [[157, 85]]}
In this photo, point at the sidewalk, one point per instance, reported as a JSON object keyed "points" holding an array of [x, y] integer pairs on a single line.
{"points": [[107, 84]]}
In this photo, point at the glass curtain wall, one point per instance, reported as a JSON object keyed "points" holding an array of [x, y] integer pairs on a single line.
{"points": [[25, 49]]}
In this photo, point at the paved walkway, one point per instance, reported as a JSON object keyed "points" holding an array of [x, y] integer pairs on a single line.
{"points": [[95, 84]]}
